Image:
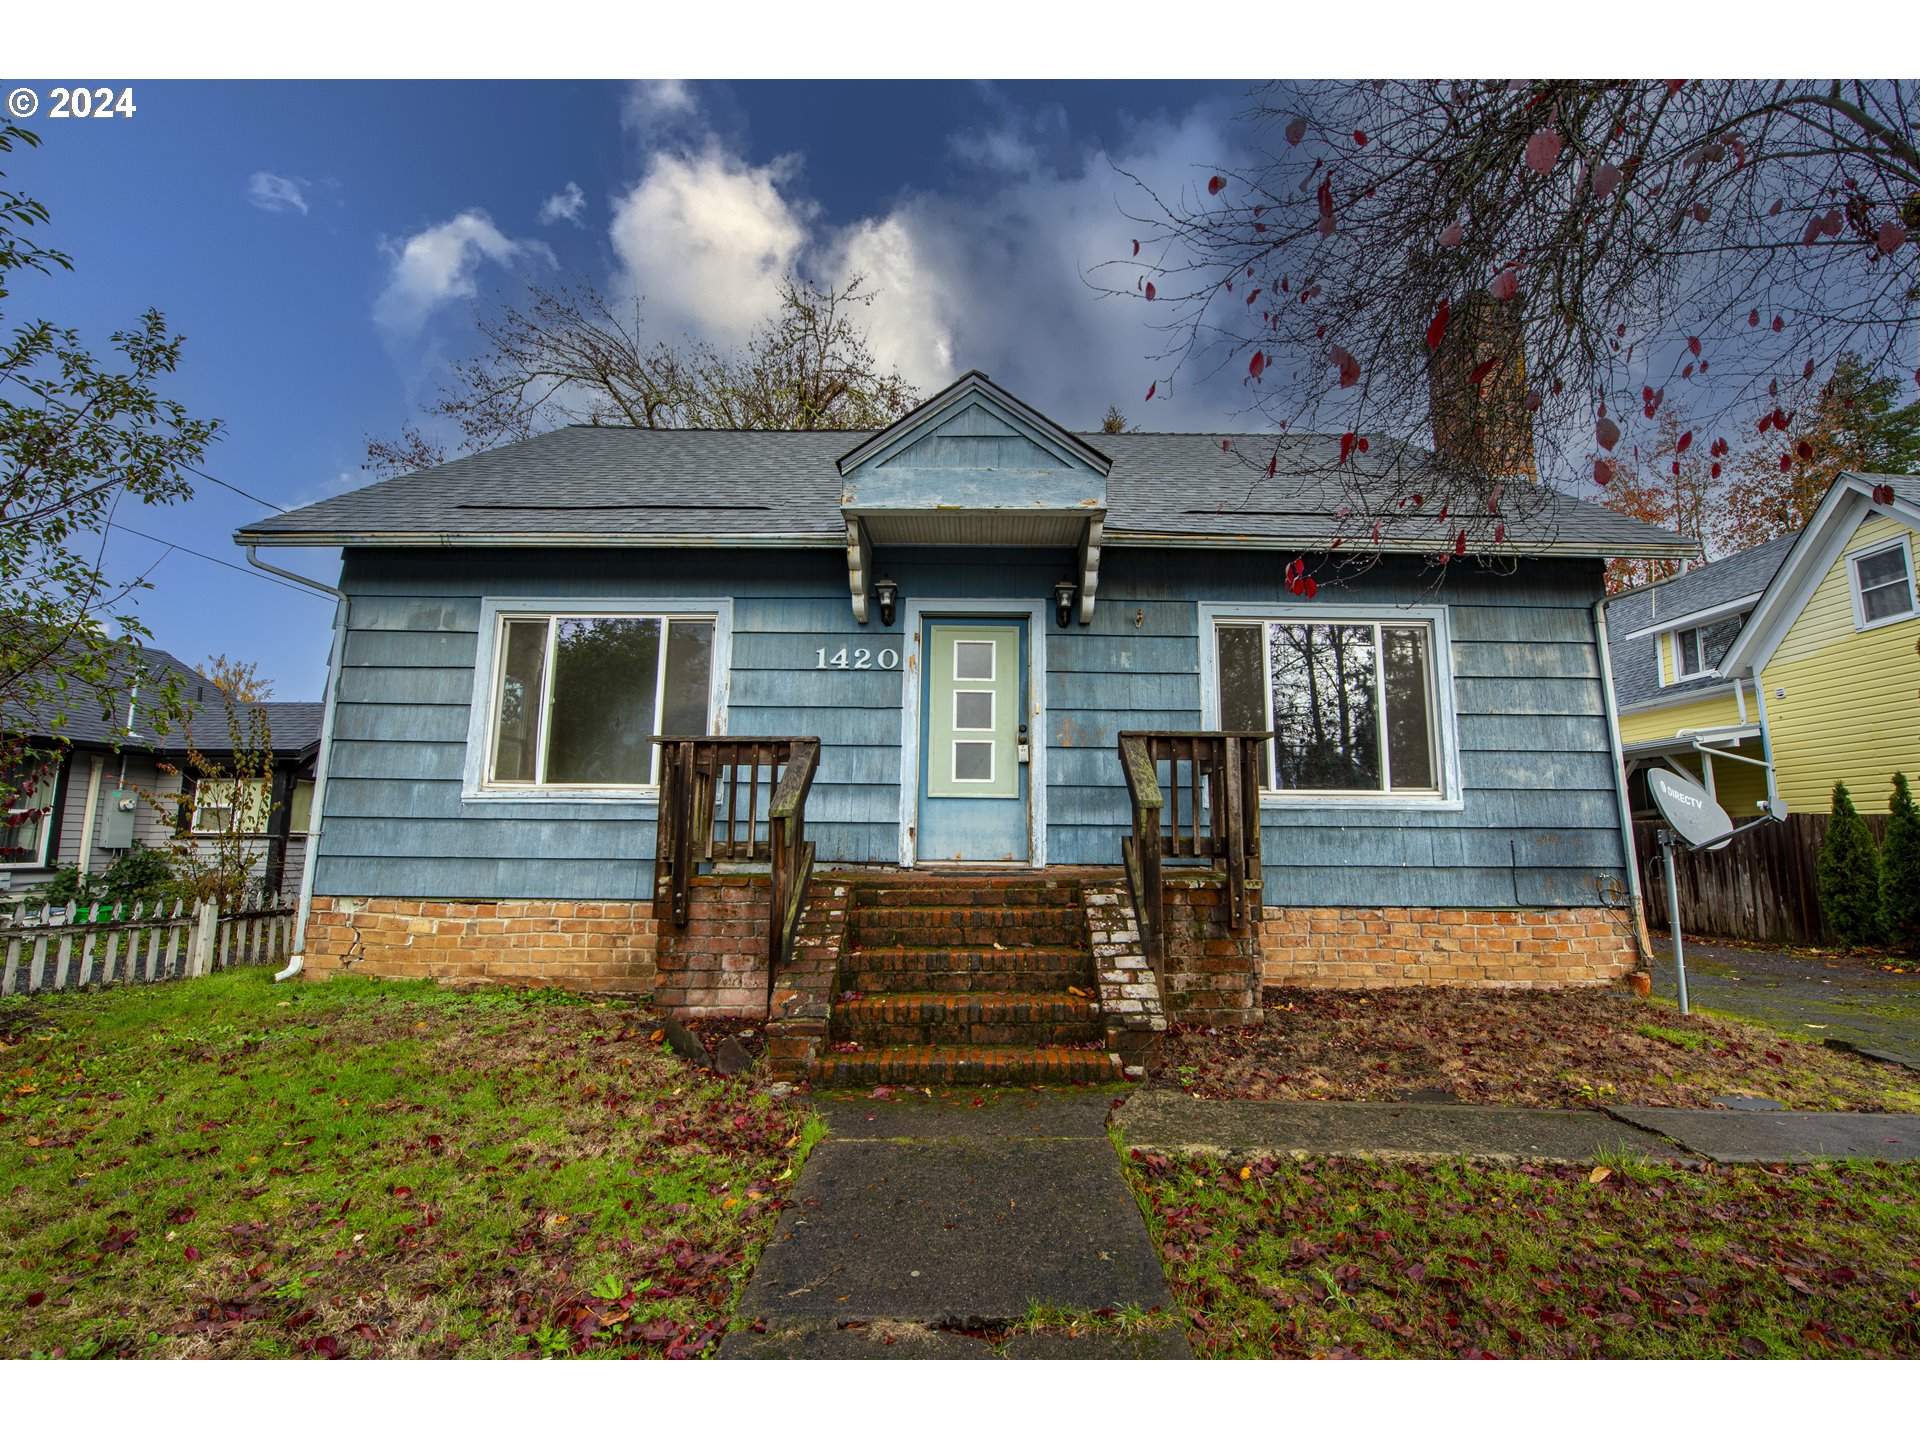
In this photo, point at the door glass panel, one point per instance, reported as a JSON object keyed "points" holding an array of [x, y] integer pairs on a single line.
{"points": [[606, 676], [973, 660], [973, 710], [518, 708], [973, 760]]}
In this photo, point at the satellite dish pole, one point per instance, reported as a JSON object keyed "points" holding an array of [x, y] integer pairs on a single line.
{"points": [[1695, 820]]}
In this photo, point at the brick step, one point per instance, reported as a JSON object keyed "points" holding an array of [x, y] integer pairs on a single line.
{"points": [[990, 1017], [964, 1065], [1061, 925], [904, 969], [965, 892]]}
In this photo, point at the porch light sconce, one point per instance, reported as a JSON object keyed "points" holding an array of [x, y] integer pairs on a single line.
{"points": [[1063, 593], [887, 595]]}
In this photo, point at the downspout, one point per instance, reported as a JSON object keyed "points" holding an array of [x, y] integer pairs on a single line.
{"points": [[1766, 748], [96, 767], [318, 822], [1640, 935]]}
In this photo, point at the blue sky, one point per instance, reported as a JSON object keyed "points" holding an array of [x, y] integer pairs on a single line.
{"points": [[320, 245]]}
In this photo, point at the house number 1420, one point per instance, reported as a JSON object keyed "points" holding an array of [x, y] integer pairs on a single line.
{"points": [[862, 659]]}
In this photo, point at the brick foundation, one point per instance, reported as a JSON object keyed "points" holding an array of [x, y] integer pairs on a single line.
{"points": [[1523, 949], [717, 965], [1211, 974], [601, 946]]}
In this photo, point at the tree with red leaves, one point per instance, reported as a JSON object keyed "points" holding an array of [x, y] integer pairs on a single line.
{"points": [[1671, 484], [1611, 248]]}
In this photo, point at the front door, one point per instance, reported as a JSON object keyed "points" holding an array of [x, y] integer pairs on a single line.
{"points": [[973, 802]]}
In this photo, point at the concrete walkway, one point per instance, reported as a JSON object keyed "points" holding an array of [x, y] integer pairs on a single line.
{"points": [[919, 1218], [1870, 1009], [1169, 1120]]}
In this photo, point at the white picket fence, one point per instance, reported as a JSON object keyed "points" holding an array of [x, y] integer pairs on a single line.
{"points": [[72, 947]]}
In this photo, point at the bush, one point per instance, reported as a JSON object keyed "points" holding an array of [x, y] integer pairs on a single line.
{"points": [[1900, 868], [1849, 875]]}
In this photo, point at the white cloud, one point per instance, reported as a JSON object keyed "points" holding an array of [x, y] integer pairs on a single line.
{"points": [[277, 193], [567, 205], [438, 264], [1000, 281], [651, 108], [705, 238]]}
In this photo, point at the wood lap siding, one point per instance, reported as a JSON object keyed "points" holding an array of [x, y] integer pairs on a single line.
{"points": [[1538, 827]]}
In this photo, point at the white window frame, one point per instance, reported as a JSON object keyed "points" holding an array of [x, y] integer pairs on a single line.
{"points": [[1705, 671], [1867, 552], [232, 784], [1449, 796], [39, 860], [495, 611]]}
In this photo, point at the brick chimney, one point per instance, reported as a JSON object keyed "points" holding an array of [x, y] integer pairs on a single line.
{"points": [[1482, 425]]}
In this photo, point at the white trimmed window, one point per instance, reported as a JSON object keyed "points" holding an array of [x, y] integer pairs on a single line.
{"points": [[1354, 703], [28, 819], [1882, 585], [575, 697], [1698, 649], [214, 802]]}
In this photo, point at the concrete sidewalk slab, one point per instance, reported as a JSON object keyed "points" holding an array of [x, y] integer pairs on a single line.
{"points": [[1169, 1120], [984, 1115], [895, 1340], [966, 1233], [1781, 1137]]}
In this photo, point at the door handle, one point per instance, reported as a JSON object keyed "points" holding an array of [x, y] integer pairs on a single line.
{"points": [[1026, 750]]}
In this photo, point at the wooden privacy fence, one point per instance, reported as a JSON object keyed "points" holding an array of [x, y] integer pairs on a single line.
{"points": [[1762, 887], [1208, 810], [72, 947]]}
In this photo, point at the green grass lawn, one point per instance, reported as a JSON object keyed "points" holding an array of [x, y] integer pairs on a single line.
{"points": [[1634, 1259], [224, 1167]]}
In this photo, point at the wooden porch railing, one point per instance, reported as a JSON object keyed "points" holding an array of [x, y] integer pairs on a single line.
{"points": [[1209, 811], [736, 798]]}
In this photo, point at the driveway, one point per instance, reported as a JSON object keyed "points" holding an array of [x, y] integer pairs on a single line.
{"points": [[1808, 996]]}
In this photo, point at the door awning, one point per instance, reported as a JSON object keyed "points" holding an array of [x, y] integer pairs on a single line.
{"points": [[974, 466]]}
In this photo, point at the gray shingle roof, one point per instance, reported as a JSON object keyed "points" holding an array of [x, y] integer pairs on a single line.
{"points": [[1636, 668], [585, 483], [94, 719]]}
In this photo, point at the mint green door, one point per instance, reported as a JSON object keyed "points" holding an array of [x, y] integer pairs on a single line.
{"points": [[973, 742]]}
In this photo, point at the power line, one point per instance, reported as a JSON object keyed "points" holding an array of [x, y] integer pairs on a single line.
{"points": [[227, 485], [213, 559]]}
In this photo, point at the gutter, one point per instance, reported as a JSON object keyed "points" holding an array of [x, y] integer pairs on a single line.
{"points": [[1114, 539], [1640, 935], [317, 824]]}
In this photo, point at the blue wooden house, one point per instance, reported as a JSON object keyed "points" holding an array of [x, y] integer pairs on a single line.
{"points": [[755, 720]]}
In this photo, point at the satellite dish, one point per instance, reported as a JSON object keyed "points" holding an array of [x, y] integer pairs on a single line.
{"points": [[1695, 815]]}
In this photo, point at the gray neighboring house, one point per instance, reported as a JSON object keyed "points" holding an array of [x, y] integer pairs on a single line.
{"points": [[93, 795], [967, 609]]}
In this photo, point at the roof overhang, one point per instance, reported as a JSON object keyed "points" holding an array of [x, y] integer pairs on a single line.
{"points": [[974, 466], [1689, 742]]}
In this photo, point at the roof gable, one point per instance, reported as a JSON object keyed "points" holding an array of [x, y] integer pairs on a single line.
{"points": [[973, 424], [1847, 501]]}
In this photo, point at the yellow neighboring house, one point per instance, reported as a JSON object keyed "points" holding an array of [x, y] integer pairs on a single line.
{"points": [[1775, 672]]}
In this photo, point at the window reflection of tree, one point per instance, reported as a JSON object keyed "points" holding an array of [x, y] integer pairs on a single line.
{"points": [[605, 683], [1325, 708], [1410, 740]]}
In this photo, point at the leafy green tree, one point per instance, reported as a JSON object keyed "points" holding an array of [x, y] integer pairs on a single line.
{"points": [[79, 436], [1900, 868], [1849, 875]]}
